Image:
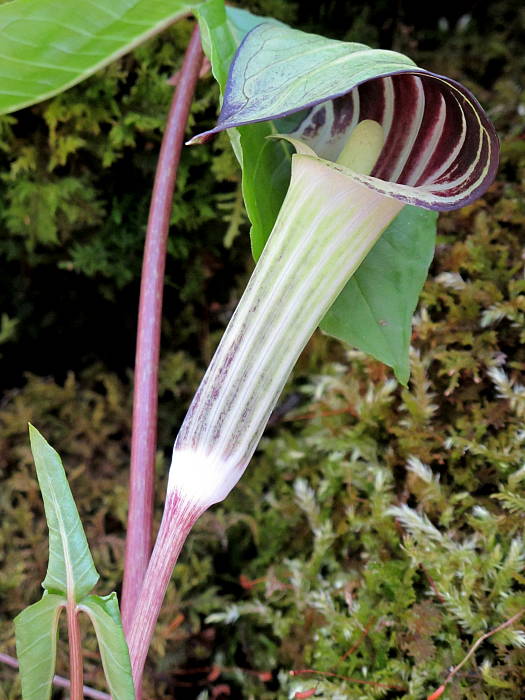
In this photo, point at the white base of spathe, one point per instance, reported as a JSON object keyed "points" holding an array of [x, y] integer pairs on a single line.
{"points": [[201, 478]]}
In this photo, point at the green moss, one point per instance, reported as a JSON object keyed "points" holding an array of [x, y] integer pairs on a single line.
{"points": [[379, 530], [76, 174]]}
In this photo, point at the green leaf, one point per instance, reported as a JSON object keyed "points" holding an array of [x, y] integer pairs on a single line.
{"points": [[281, 70], [36, 642], [46, 46], [264, 186], [222, 30], [70, 569], [105, 616], [265, 163], [218, 38], [374, 310]]}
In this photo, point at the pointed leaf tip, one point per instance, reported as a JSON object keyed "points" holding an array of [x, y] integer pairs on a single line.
{"points": [[71, 570]]}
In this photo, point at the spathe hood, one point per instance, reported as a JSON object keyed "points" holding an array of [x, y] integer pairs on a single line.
{"points": [[441, 150]]}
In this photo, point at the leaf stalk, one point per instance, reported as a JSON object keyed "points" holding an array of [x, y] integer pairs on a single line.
{"points": [[145, 396], [76, 673], [177, 521]]}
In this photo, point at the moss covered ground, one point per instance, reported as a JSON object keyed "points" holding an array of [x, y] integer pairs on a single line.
{"points": [[379, 531]]}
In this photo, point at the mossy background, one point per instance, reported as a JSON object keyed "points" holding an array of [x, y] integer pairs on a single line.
{"points": [[379, 530]]}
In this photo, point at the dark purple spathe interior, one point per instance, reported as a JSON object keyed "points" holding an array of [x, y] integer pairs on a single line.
{"points": [[438, 140], [439, 143]]}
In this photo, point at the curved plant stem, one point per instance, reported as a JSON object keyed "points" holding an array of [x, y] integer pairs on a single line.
{"points": [[480, 641], [177, 521], [144, 429], [75, 652]]}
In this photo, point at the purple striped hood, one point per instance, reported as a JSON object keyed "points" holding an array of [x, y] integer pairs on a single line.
{"points": [[440, 152]]}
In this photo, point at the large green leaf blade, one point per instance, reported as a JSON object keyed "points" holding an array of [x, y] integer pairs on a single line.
{"points": [[36, 642], [374, 310], [70, 569], [46, 46], [105, 616]]}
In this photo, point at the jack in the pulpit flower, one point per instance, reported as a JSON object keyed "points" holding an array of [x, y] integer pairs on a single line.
{"points": [[373, 133], [376, 132]]}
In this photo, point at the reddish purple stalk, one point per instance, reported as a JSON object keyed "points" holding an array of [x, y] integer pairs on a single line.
{"points": [[145, 396], [76, 674], [177, 521]]}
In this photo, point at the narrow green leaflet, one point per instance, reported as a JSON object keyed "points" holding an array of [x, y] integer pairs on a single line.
{"points": [[374, 311], [46, 46], [71, 575], [105, 616], [36, 642], [70, 569]]}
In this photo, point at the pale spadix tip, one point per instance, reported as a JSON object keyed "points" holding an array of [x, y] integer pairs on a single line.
{"points": [[363, 147]]}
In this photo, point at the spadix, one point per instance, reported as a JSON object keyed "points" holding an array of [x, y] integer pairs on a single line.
{"points": [[363, 147]]}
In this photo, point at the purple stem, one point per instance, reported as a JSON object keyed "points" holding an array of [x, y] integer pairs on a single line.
{"points": [[145, 396], [76, 673], [177, 521]]}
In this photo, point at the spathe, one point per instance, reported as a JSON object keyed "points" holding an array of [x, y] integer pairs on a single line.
{"points": [[438, 150], [327, 224]]}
